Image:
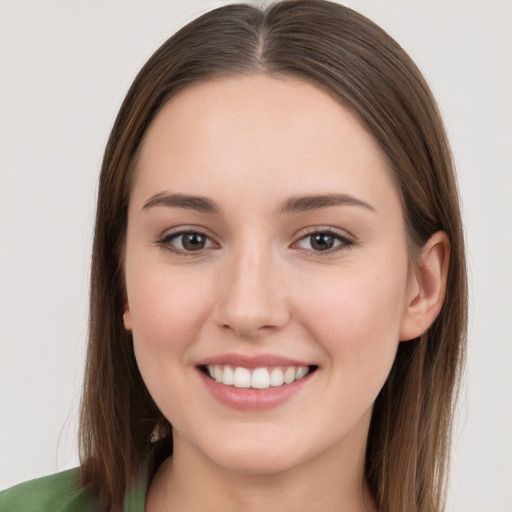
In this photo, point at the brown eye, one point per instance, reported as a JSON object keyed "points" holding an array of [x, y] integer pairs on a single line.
{"points": [[186, 242], [193, 241], [323, 241]]}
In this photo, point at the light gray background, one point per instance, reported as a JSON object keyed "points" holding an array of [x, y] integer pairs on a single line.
{"points": [[64, 68]]}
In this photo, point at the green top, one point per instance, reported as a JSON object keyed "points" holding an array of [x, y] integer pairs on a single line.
{"points": [[62, 493]]}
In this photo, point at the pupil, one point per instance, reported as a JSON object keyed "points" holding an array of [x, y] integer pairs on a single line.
{"points": [[193, 241], [322, 241]]}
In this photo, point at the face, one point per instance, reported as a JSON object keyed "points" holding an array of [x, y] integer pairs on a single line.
{"points": [[266, 273]]}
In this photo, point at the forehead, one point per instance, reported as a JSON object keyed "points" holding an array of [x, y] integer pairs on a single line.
{"points": [[261, 135]]}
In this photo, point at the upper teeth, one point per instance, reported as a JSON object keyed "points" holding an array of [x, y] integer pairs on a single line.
{"points": [[259, 378]]}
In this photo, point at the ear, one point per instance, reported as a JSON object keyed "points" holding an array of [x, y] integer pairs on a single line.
{"points": [[127, 317], [426, 287]]}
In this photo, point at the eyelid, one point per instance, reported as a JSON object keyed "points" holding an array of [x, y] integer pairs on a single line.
{"points": [[164, 240], [346, 239]]}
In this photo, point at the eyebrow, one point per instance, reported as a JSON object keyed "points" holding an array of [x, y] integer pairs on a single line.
{"points": [[315, 202], [291, 205], [200, 204]]}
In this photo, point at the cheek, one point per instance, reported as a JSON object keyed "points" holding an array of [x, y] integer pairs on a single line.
{"points": [[356, 317], [166, 311]]}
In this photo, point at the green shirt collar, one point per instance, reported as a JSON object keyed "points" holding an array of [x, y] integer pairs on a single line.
{"points": [[135, 500]]}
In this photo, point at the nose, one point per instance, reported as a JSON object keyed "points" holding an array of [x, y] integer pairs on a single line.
{"points": [[252, 298]]}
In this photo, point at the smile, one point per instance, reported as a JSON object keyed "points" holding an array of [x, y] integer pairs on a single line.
{"points": [[256, 378], [254, 382]]}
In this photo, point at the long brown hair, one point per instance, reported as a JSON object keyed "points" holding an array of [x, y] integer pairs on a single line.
{"points": [[344, 52]]}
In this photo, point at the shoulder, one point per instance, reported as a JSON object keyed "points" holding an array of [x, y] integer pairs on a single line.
{"points": [[55, 493]]}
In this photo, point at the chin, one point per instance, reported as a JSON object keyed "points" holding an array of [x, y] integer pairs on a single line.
{"points": [[254, 457]]}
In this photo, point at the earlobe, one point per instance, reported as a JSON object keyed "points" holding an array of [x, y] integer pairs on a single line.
{"points": [[427, 287], [127, 317]]}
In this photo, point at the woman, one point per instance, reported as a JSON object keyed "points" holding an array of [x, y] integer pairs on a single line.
{"points": [[278, 296]]}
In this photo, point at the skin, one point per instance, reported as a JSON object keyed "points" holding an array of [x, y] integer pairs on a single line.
{"points": [[259, 286]]}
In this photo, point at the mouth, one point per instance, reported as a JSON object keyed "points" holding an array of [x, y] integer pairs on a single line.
{"points": [[256, 378], [255, 382]]}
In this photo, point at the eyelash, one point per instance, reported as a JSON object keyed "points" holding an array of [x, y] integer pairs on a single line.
{"points": [[344, 241], [165, 242]]}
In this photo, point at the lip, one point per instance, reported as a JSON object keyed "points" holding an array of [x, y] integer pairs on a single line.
{"points": [[252, 362], [249, 399]]}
